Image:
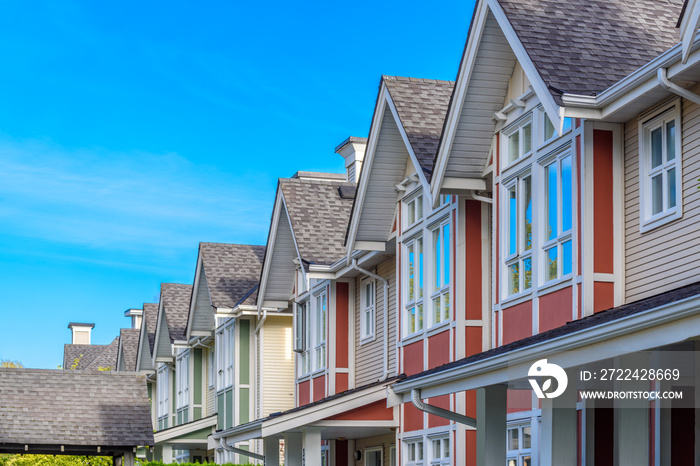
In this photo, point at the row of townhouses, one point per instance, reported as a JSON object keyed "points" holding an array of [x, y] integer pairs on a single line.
{"points": [[544, 206]]}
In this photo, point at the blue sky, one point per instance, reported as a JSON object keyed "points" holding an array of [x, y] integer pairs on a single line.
{"points": [[131, 131]]}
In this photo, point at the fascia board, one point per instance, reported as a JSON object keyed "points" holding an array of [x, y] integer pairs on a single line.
{"points": [[553, 111], [140, 346], [119, 352], [294, 238], [407, 143], [174, 432], [241, 433], [689, 27], [366, 168], [270, 248], [159, 325], [453, 115], [501, 368], [285, 422], [193, 300]]}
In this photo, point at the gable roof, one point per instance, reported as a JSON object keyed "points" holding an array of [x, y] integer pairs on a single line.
{"points": [[585, 46], [128, 345], [232, 271], [318, 217], [79, 410], [86, 354], [175, 300], [150, 318], [107, 357], [421, 105]]}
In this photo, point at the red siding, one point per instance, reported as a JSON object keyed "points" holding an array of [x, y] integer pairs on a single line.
{"points": [[497, 291], [519, 400], [517, 322], [304, 392], [603, 296], [319, 387], [413, 358], [473, 337], [341, 324], [413, 418], [473, 270], [441, 402], [376, 411], [341, 382], [438, 349], [603, 247], [555, 309]]}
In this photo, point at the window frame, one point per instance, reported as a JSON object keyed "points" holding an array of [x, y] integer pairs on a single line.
{"points": [[376, 449], [163, 392], [182, 379], [649, 221], [441, 267], [303, 330], [562, 236], [522, 253], [410, 446], [415, 203], [318, 326], [414, 305], [444, 442], [517, 127], [225, 360], [518, 454], [368, 314]]}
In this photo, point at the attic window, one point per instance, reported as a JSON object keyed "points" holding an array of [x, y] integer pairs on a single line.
{"points": [[518, 140]]}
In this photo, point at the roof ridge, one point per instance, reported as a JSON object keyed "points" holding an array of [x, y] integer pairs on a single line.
{"points": [[417, 80], [231, 244]]}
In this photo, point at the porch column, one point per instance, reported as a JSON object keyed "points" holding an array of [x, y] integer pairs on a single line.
{"points": [[271, 450], [292, 449], [312, 446], [167, 453], [491, 404], [558, 428]]}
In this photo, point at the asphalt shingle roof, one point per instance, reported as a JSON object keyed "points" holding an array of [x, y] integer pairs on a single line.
{"points": [[84, 354], [176, 303], [319, 217], [232, 271], [129, 338], [54, 407], [422, 108], [106, 358], [584, 46], [150, 317]]}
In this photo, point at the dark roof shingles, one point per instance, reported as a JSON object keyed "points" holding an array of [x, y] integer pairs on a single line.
{"points": [[232, 271], [81, 356], [176, 303], [129, 339], [107, 358]]}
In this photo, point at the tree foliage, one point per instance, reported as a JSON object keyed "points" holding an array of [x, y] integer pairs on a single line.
{"points": [[54, 460], [8, 363]]}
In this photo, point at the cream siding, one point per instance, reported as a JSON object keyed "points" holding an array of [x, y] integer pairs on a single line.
{"points": [[369, 356], [383, 441], [278, 365], [666, 257]]}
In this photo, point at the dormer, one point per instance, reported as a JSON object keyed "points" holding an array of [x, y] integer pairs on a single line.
{"points": [[81, 333], [136, 317], [353, 151]]}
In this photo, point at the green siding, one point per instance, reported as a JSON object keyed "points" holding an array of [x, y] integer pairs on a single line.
{"points": [[197, 392], [229, 409], [244, 413], [197, 414], [220, 412], [244, 352]]}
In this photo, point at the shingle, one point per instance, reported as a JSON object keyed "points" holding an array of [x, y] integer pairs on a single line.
{"points": [[585, 46], [107, 357], [319, 217], [150, 316], [176, 304], [129, 339], [80, 356], [232, 272], [67, 407]]}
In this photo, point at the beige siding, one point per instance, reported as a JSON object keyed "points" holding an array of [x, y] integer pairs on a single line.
{"points": [[369, 356], [210, 393], [665, 257], [383, 441], [278, 365]]}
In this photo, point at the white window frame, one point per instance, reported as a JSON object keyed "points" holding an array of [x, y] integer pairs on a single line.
{"points": [[225, 357], [544, 120], [648, 220], [392, 455], [318, 325], [182, 377], [212, 368], [414, 306], [562, 236], [163, 388], [517, 129], [414, 206], [522, 251], [368, 300], [302, 328], [412, 450], [440, 277], [518, 455], [443, 454], [379, 450]]}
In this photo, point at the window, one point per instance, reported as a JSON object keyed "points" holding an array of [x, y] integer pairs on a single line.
{"points": [[660, 169], [414, 452], [212, 368], [518, 235], [414, 210], [518, 142], [225, 359], [549, 131], [558, 207], [440, 271], [518, 445], [440, 451], [301, 339], [414, 285], [182, 375], [368, 294], [373, 456], [162, 381], [392, 455], [320, 313]]}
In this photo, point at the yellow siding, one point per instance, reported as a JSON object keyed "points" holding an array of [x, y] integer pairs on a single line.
{"points": [[383, 441], [278, 365]]}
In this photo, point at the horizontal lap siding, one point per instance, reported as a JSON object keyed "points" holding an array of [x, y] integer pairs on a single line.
{"points": [[278, 366], [666, 257], [369, 356]]}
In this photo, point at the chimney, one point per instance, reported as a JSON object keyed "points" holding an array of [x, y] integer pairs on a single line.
{"points": [[353, 151], [136, 317], [81, 333]]}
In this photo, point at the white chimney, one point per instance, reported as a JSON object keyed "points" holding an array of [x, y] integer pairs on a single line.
{"points": [[81, 333], [136, 317], [353, 151]]}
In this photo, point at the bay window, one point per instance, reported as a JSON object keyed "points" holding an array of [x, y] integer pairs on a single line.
{"points": [[163, 390], [518, 235], [414, 285], [319, 324], [558, 209], [440, 271], [660, 169], [368, 294], [182, 377], [301, 337]]}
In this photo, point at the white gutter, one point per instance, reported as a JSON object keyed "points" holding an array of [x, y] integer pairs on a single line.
{"points": [[261, 321], [430, 409], [662, 76], [477, 197], [385, 346], [225, 446]]}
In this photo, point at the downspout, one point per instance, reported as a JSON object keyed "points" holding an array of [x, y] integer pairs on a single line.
{"points": [[430, 409], [239, 451], [262, 321], [386, 313], [477, 197], [662, 76]]}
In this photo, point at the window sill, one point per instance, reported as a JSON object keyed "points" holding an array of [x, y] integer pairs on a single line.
{"points": [[438, 328], [412, 338], [367, 339], [514, 299], [555, 284], [646, 226]]}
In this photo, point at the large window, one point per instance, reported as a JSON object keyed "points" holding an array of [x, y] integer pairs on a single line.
{"points": [[414, 285], [320, 314], [182, 376], [163, 389], [440, 271], [518, 140], [518, 235], [558, 208], [440, 451], [414, 452], [660, 169], [518, 445], [301, 337], [225, 357], [368, 294], [310, 333]]}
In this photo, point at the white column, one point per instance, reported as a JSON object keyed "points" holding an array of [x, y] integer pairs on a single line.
{"points": [[558, 427], [167, 453], [292, 449], [491, 404], [271, 450], [311, 440]]}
